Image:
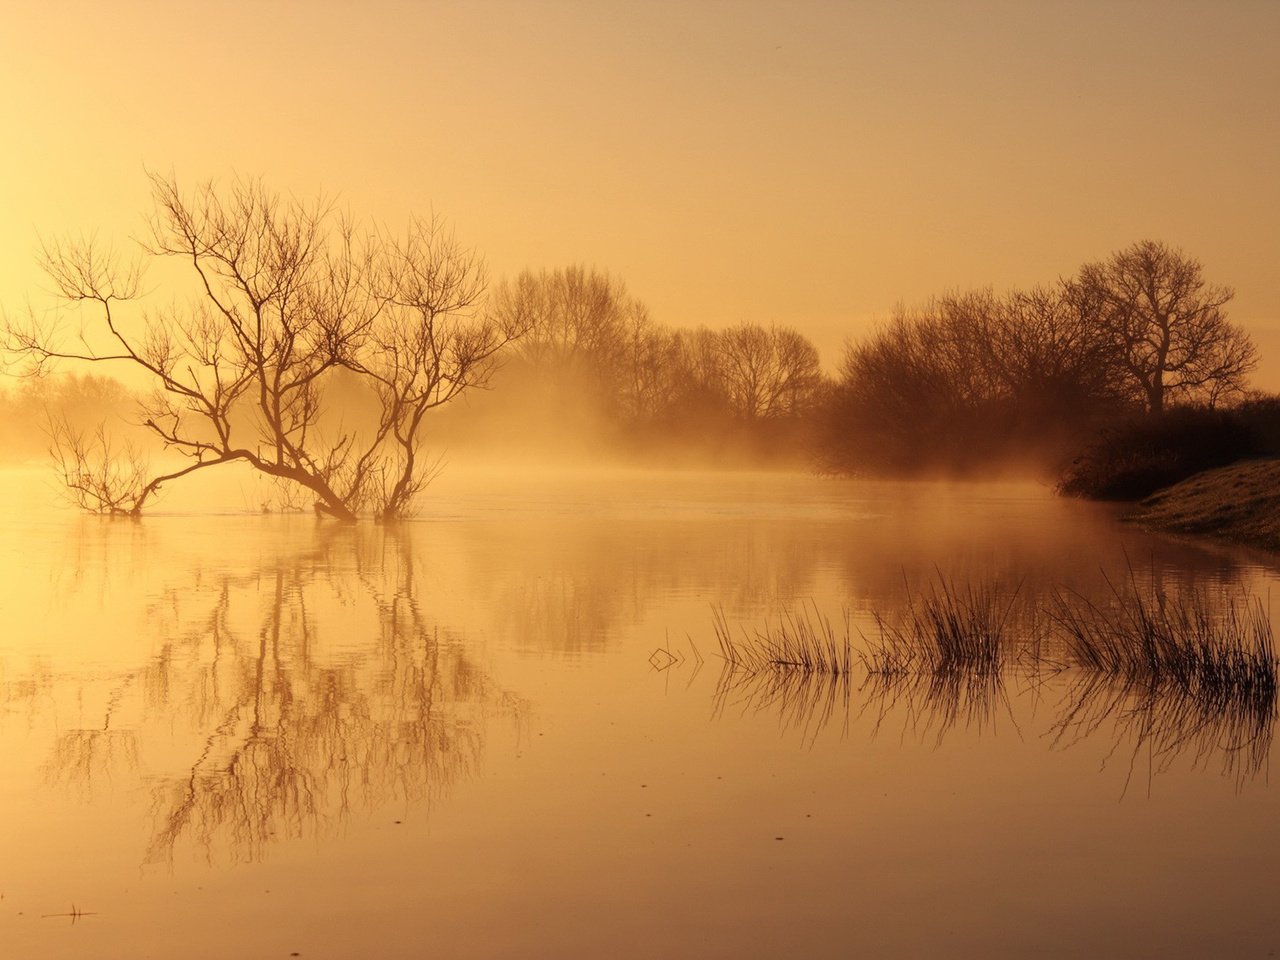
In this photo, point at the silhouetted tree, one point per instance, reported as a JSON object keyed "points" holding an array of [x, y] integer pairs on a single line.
{"points": [[1173, 339], [574, 316], [700, 375], [768, 373], [584, 359], [649, 369], [976, 377], [1053, 361], [913, 394], [33, 409], [288, 294]]}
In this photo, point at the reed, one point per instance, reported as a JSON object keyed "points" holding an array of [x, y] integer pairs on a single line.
{"points": [[797, 666], [1190, 672], [949, 629], [803, 641], [1208, 650]]}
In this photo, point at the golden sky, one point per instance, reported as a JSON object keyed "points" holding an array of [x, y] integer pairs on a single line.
{"points": [[810, 164]]}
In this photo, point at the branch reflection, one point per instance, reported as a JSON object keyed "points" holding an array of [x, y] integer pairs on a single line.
{"points": [[302, 691]]}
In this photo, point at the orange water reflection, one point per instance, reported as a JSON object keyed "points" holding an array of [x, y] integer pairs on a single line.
{"points": [[250, 736]]}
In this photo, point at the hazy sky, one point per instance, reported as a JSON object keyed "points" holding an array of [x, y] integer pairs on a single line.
{"points": [[810, 164]]}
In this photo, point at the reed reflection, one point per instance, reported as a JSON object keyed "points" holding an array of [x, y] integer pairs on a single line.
{"points": [[1190, 674], [1170, 674], [1165, 722], [303, 691]]}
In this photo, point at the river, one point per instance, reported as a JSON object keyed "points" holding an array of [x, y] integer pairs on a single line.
{"points": [[503, 729]]}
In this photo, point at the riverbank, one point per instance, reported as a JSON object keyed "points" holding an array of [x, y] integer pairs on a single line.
{"points": [[1240, 503]]}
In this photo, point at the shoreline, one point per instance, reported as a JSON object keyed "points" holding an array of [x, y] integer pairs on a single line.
{"points": [[1239, 503]]}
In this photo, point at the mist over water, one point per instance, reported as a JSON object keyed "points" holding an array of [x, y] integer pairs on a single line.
{"points": [[520, 480], [460, 730]]}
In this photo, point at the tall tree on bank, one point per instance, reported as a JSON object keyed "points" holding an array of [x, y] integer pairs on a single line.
{"points": [[287, 295], [1171, 334]]}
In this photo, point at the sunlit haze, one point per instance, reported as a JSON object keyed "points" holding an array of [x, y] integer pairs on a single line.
{"points": [[811, 164], [622, 480]]}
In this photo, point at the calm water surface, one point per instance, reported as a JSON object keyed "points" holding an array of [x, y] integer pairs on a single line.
{"points": [[501, 731]]}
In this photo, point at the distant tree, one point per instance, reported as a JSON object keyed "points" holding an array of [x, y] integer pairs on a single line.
{"points": [[1171, 333], [30, 407], [768, 373], [288, 295], [700, 377], [972, 378], [587, 352], [648, 378], [572, 316], [907, 397]]}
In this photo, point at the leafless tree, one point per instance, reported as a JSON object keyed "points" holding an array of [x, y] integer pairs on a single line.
{"points": [[977, 376], [573, 315], [425, 348], [1170, 327], [700, 368], [768, 372], [590, 350], [1050, 356], [98, 475], [649, 375], [287, 294]]}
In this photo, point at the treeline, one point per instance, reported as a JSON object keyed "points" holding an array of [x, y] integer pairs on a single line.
{"points": [[969, 380], [1076, 378], [973, 381], [32, 409], [966, 384], [594, 371]]}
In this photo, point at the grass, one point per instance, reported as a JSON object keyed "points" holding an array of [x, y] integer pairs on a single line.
{"points": [[804, 641], [945, 630], [1144, 637], [1240, 503], [1137, 637], [948, 628], [1171, 674], [948, 653], [798, 666]]}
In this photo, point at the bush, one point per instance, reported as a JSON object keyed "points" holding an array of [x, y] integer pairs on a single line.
{"points": [[1136, 457]]}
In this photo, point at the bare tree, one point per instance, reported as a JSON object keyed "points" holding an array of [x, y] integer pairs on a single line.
{"points": [[976, 376], [700, 369], [287, 295], [1169, 326], [648, 380], [424, 349], [573, 315], [590, 348], [1051, 357], [98, 476], [768, 373]]}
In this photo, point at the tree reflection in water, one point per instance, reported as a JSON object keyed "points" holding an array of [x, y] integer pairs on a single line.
{"points": [[312, 687]]}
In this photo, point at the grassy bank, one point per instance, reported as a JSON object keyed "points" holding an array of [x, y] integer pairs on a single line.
{"points": [[1240, 503]]}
